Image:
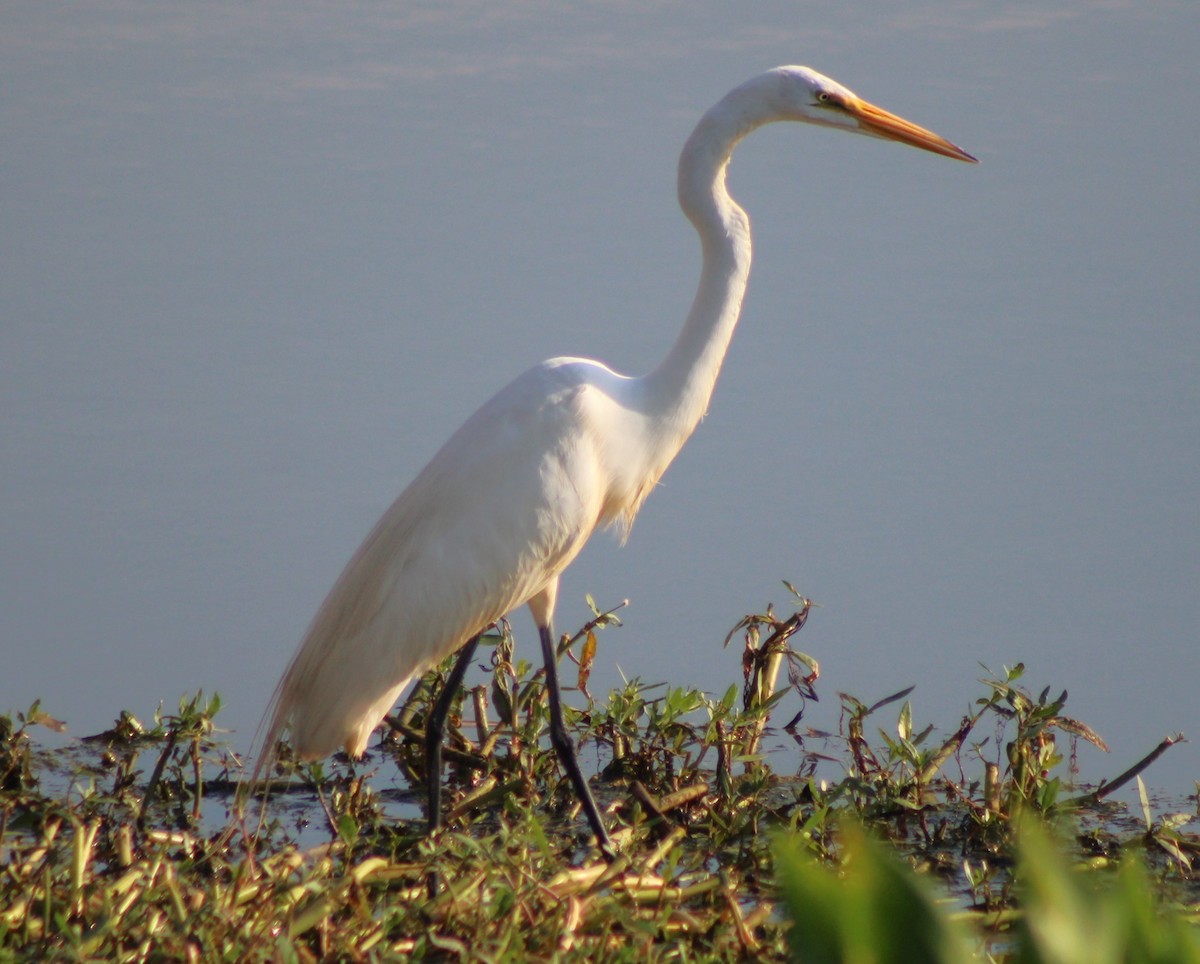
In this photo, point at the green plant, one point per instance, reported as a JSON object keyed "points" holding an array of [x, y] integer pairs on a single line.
{"points": [[869, 909]]}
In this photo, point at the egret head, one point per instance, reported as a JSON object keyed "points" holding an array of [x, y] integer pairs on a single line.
{"points": [[803, 94]]}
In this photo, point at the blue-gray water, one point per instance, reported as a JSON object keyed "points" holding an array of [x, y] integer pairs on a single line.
{"points": [[259, 260]]}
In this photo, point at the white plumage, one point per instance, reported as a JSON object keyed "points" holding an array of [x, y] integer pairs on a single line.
{"points": [[489, 523], [506, 504]]}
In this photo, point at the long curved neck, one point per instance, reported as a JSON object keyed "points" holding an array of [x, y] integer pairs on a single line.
{"points": [[678, 391]]}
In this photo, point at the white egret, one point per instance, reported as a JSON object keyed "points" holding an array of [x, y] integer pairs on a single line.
{"points": [[506, 504]]}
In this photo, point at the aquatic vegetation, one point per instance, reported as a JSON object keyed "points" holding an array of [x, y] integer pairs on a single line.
{"points": [[881, 841]]}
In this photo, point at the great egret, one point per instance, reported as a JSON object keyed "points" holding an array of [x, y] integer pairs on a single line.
{"points": [[506, 504]]}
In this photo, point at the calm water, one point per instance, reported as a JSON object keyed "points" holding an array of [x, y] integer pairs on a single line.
{"points": [[259, 260]]}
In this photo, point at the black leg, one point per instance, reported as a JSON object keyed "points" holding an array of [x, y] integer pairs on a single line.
{"points": [[435, 729], [561, 741]]}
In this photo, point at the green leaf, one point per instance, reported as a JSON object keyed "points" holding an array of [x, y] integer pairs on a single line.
{"points": [[347, 828], [1147, 814], [878, 911]]}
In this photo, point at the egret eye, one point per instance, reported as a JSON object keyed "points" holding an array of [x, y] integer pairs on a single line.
{"points": [[826, 99]]}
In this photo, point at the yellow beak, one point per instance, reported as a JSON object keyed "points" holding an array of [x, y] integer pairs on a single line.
{"points": [[881, 123]]}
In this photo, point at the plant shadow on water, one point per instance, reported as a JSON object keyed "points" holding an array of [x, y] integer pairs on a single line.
{"points": [[137, 842]]}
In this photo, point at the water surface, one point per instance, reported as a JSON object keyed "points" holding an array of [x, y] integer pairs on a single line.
{"points": [[260, 260]]}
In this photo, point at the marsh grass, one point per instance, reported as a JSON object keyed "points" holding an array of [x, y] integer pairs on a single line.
{"points": [[135, 844]]}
